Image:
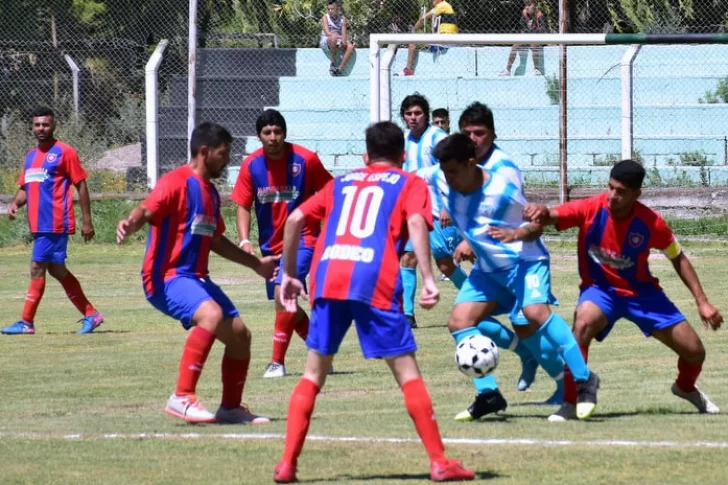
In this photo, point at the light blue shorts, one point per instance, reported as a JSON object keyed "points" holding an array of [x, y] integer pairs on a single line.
{"points": [[527, 283], [443, 241]]}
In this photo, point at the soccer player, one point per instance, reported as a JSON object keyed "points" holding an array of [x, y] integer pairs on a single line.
{"points": [[277, 178], [420, 141], [368, 215], [183, 212], [616, 233], [44, 185], [441, 119], [511, 275]]}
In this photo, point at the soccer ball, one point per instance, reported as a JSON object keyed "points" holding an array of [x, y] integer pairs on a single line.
{"points": [[476, 356]]}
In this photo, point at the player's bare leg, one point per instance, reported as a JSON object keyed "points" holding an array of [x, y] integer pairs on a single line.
{"points": [[236, 337], [685, 342], [92, 319], [184, 403], [300, 409], [408, 272], [419, 406], [589, 320], [347, 55], [333, 52], [411, 54]]}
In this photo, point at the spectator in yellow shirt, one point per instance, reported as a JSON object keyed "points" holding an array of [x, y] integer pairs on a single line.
{"points": [[442, 15]]}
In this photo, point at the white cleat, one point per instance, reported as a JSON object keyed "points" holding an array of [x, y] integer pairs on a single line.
{"points": [[566, 412], [275, 369], [698, 399], [239, 415], [189, 409]]}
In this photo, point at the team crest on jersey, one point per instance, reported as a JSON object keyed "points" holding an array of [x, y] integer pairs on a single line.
{"points": [[51, 158], [295, 169], [203, 225], [635, 239]]}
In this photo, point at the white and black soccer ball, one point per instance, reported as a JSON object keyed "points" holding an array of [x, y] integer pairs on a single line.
{"points": [[476, 356]]}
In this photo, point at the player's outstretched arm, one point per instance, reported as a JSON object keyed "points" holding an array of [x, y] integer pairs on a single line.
{"points": [[541, 214], [710, 315], [528, 232], [419, 235], [84, 200], [139, 216], [21, 197], [266, 267]]}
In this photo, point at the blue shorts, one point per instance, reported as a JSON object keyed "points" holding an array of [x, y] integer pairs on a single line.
{"points": [[649, 313], [443, 241], [49, 247], [183, 295], [382, 333], [303, 266], [527, 283]]}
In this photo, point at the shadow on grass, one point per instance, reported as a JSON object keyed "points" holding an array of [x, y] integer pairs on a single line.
{"points": [[95, 332], [395, 476]]}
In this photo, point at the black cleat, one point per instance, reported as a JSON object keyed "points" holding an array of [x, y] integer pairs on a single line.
{"points": [[586, 396], [489, 403]]}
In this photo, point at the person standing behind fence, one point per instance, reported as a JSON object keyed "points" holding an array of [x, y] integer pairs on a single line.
{"points": [[444, 15], [333, 37], [44, 186], [532, 22], [441, 119]]}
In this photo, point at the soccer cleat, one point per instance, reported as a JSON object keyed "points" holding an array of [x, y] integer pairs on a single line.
{"points": [[335, 72], [698, 399], [275, 369], [566, 412], [21, 327], [528, 373], [239, 415], [408, 72], [412, 321], [189, 409], [586, 396], [442, 277], [91, 322], [285, 473], [450, 471], [490, 402]]}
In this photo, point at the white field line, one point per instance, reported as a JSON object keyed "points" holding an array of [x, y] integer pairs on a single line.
{"points": [[365, 439]]}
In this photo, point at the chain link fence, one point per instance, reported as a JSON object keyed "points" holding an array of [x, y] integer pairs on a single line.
{"points": [[253, 54]]}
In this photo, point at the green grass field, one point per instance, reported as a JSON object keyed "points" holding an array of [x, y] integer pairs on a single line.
{"points": [[89, 409]]}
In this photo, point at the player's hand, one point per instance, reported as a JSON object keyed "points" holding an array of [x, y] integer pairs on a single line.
{"points": [[536, 213], [248, 247], [445, 220], [502, 234], [710, 316], [430, 294], [122, 230], [87, 231], [269, 267], [12, 211], [291, 289], [463, 252]]}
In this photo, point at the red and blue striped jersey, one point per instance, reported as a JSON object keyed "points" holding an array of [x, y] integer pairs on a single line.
{"points": [[364, 232], [613, 253], [47, 178], [185, 220], [278, 187]]}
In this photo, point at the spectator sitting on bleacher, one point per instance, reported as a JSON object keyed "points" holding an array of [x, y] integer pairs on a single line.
{"points": [[532, 22], [444, 17], [333, 37]]}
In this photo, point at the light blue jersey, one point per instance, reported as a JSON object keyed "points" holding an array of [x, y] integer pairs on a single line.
{"points": [[496, 160], [419, 151], [498, 203]]}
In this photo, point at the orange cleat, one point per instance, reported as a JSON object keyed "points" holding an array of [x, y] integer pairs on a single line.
{"points": [[285, 473], [450, 471]]}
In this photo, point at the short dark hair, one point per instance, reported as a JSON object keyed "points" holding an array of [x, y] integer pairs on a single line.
{"points": [[270, 117], [209, 134], [456, 147], [477, 114], [42, 111], [628, 172], [332, 2], [441, 113], [385, 141], [415, 100]]}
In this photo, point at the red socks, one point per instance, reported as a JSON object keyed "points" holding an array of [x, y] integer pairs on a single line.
{"points": [[569, 384], [75, 294], [198, 345], [687, 374], [419, 406], [300, 409], [234, 373], [284, 326], [32, 299]]}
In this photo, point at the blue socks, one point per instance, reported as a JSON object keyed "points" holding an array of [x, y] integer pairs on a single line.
{"points": [[482, 384], [409, 283], [458, 277], [556, 334]]}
